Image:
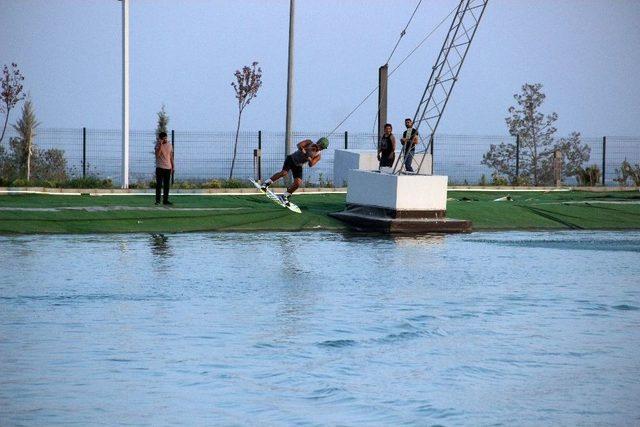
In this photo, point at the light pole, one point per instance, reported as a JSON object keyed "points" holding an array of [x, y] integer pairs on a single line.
{"points": [[125, 93], [289, 122]]}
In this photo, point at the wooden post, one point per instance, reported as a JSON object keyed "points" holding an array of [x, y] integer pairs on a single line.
{"points": [[383, 76]]}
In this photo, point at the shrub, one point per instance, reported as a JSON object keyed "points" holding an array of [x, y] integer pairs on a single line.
{"points": [[214, 183], [628, 171], [88, 182], [234, 183], [589, 177], [498, 179]]}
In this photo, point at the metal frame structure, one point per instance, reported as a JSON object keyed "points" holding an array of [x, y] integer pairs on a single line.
{"points": [[444, 75]]}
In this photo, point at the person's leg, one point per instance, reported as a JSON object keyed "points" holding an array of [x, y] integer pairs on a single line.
{"points": [[166, 182], [277, 176], [158, 184], [294, 185], [288, 163], [296, 171], [408, 158]]}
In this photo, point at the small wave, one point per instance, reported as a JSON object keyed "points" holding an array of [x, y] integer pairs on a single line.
{"points": [[325, 392], [625, 307], [337, 343]]}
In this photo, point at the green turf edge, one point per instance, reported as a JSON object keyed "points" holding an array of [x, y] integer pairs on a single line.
{"points": [[527, 211]]}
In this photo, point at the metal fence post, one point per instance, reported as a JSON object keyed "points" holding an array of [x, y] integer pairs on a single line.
{"points": [[517, 158], [84, 152], [260, 155], [604, 157], [346, 140], [433, 140], [173, 146]]}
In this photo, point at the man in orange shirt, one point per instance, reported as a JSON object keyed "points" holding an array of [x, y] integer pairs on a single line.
{"points": [[164, 167]]}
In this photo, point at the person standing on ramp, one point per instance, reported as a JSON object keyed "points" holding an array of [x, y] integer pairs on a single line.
{"points": [[308, 152]]}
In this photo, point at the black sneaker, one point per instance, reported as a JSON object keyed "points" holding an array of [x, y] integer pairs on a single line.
{"points": [[167, 203], [264, 187]]}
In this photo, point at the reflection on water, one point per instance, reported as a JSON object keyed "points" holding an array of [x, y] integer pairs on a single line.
{"points": [[320, 329], [160, 245]]}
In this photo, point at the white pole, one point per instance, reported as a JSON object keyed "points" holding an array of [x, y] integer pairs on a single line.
{"points": [[125, 93], [289, 123]]}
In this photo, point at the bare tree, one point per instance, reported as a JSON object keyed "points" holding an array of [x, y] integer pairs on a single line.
{"points": [[537, 142], [26, 128], [11, 92], [247, 84]]}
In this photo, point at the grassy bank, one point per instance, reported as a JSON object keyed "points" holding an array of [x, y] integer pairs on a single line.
{"points": [[88, 214]]}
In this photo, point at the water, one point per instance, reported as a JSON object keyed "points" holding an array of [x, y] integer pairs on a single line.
{"points": [[320, 329]]}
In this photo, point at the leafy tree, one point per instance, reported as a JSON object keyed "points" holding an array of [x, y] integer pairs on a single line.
{"points": [[537, 142], [248, 82], [26, 128], [11, 92], [575, 154], [163, 121]]}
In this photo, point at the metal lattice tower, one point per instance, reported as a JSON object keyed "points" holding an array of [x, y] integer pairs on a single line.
{"points": [[444, 75]]}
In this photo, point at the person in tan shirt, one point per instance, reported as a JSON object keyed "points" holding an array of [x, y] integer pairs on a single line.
{"points": [[164, 167]]}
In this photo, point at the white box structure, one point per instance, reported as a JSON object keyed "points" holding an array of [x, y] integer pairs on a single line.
{"points": [[346, 160], [398, 192]]}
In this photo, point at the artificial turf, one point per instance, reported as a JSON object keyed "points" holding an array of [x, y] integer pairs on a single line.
{"points": [[116, 214]]}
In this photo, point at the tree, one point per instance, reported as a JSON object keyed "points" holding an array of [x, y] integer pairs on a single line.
{"points": [[575, 154], [26, 128], [11, 92], [536, 132], [247, 84], [163, 121]]}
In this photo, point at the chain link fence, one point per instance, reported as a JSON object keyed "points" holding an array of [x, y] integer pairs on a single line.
{"points": [[203, 156]]}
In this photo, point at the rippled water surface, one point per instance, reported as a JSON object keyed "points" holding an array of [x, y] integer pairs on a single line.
{"points": [[320, 328]]}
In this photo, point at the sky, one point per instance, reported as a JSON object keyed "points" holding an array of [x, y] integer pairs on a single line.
{"points": [[184, 53]]}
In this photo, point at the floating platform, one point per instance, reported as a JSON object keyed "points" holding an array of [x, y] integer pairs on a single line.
{"points": [[378, 201]]}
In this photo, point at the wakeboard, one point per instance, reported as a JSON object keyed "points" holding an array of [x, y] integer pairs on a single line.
{"points": [[275, 199]]}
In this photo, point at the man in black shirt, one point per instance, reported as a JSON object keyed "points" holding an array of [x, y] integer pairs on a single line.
{"points": [[409, 141], [387, 147]]}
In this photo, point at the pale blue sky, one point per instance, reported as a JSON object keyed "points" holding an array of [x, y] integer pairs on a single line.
{"points": [[184, 53]]}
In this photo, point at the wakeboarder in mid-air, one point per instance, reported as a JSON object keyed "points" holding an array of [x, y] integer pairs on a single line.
{"points": [[308, 152]]}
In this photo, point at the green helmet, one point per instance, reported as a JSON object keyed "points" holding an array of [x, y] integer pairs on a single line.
{"points": [[323, 142]]}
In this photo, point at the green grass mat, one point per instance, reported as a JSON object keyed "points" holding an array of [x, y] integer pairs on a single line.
{"points": [[110, 214]]}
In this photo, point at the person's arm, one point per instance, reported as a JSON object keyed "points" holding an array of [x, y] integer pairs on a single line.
{"points": [[157, 148], [393, 144], [303, 145], [414, 140], [315, 159]]}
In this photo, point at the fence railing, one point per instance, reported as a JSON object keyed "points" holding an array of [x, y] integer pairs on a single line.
{"points": [[205, 155]]}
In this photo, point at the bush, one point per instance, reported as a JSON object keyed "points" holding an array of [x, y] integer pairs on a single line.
{"points": [[19, 183], [498, 179], [49, 165], [88, 182], [589, 177], [46, 165], [628, 171], [214, 183], [234, 183]]}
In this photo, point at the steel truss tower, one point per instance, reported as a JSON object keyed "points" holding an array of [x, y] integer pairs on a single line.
{"points": [[444, 75]]}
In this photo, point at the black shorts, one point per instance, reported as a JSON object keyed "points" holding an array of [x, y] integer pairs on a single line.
{"points": [[290, 165]]}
